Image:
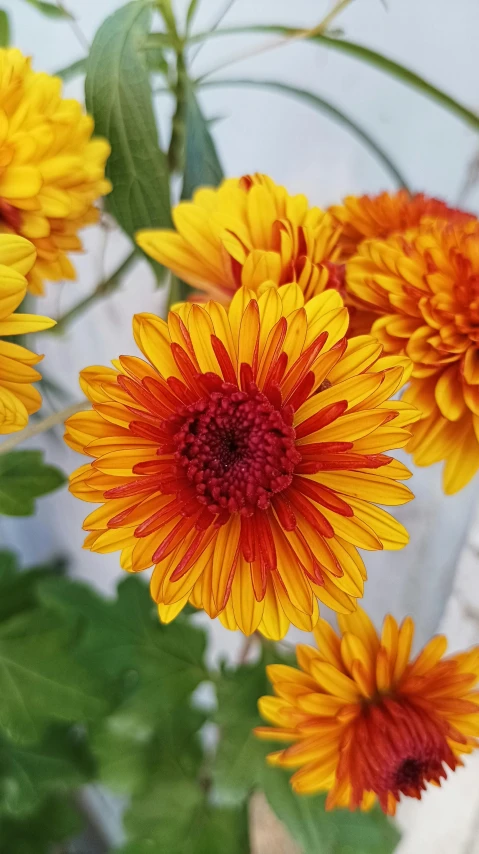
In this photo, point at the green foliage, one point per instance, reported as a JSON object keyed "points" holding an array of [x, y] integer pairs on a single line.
{"points": [[23, 477], [202, 164], [328, 109], [321, 832], [51, 10], [72, 70], [364, 54], [118, 95], [54, 822], [4, 29]]}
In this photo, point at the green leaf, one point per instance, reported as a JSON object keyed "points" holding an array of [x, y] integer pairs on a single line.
{"points": [[18, 589], [172, 800], [321, 832], [202, 164], [240, 755], [50, 9], [28, 774], [73, 70], [4, 29], [54, 822], [365, 54], [41, 679], [118, 95], [216, 830], [155, 666], [23, 477], [190, 14], [329, 109]]}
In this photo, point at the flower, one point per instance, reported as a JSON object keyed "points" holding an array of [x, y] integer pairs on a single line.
{"points": [[51, 171], [18, 398], [246, 232], [366, 722], [362, 217], [242, 457], [425, 286]]}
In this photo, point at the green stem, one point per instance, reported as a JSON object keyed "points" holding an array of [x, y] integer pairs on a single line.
{"points": [[42, 426], [176, 149], [103, 289]]}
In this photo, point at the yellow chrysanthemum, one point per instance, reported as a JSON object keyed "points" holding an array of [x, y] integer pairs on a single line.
{"points": [[18, 398], [246, 232], [51, 171], [425, 286], [366, 722], [242, 457], [361, 217]]}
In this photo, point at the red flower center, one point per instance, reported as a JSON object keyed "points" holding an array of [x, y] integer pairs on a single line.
{"points": [[396, 749], [237, 450]]}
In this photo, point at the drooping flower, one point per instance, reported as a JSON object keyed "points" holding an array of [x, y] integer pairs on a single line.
{"points": [[246, 232], [241, 458], [425, 287], [18, 398], [362, 217], [51, 170], [366, 723]]}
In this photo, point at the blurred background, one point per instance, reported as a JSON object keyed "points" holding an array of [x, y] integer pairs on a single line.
{"points": [[436, 578]]}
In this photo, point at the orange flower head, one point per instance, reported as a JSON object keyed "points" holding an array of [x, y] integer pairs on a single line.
{"points": [[367, 723], [242, 456], [425, 287], [245, 232], [362, 217]]}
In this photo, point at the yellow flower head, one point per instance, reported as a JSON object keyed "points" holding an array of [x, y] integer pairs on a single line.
{"points": [[241, 458], [362, 217], [247, 231], [364, 720], [18, 398], [425, 286], [51, 171]]}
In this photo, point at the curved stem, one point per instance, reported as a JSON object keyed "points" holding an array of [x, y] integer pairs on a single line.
{"points": [[42, 426], [105, 287]]}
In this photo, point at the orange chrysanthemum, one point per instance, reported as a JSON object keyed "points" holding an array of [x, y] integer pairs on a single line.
{"points": [[426, 287], [247, 231], [366, 722], [51, 170], [361, 217], [242, 457]]}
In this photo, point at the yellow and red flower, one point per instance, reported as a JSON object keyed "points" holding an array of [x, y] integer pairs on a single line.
{"points": [[361, 217], [241, 458], [51, 170], [18, 397], [366, 723], [425, 287], [247, 231]]}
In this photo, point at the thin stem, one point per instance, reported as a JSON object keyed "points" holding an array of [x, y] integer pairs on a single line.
{"points": [[246, 648], [76, 29], [103, 289], [214, 26], [301, 34], [42, 426]]}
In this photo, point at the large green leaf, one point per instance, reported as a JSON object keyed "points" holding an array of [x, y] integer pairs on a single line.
{"points": [[321, 832], [328, 109], [118, 95], [23, 477], [156, 667], [214, 830], [51, 10], [29, 773], [365, 54], [41, 679], [54, 822]]}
